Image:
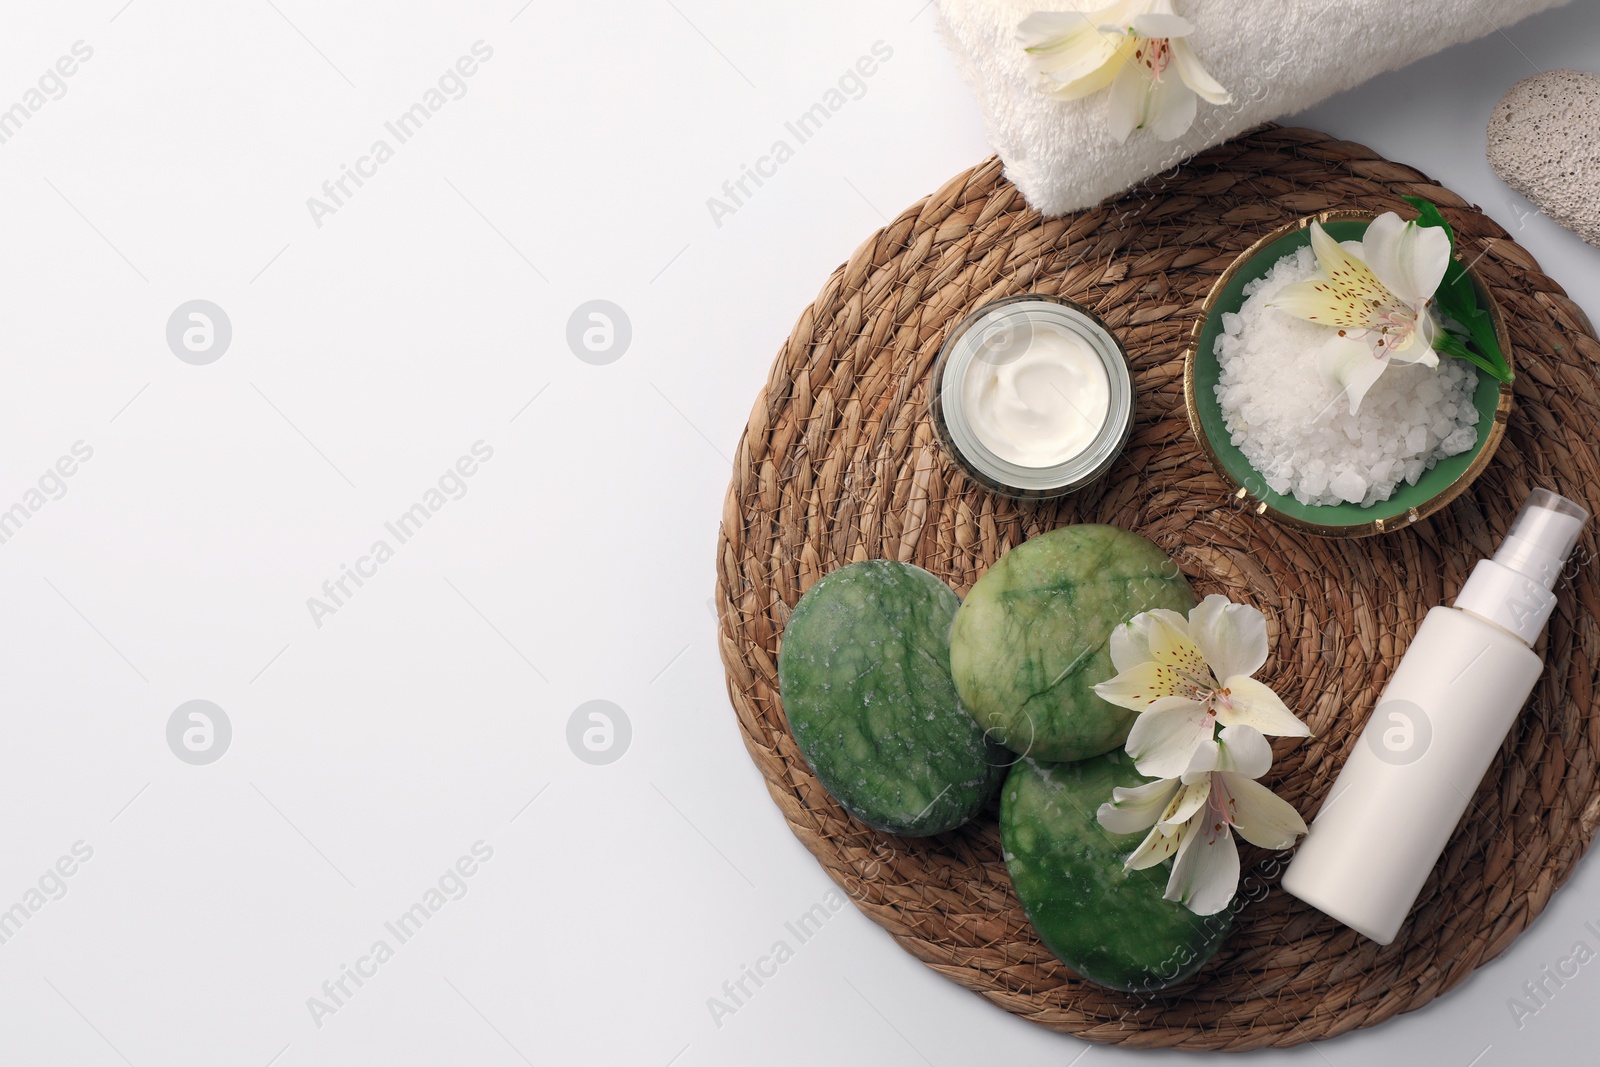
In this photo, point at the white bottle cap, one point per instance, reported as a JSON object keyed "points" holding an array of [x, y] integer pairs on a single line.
{"points": [[1514, 590]]}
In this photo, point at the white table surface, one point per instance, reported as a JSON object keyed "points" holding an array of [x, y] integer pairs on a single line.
{"points": [[429, 711]]}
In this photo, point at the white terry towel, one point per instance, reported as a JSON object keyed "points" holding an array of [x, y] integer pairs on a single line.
{"points": [[1275, 57]]}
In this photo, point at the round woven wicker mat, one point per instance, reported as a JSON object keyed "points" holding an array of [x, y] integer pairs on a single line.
{"points": [[840, 463]]}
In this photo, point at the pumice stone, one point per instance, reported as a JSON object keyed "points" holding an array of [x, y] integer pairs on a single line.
{"points": [[1544, 142]]}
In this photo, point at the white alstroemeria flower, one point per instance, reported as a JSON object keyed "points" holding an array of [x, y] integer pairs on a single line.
{"points": [[1137, 48], [1186, 676], [1378, 292], [1193, 818]]}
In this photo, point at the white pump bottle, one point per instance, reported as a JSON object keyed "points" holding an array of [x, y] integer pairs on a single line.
{"points": [[1436, 728]]}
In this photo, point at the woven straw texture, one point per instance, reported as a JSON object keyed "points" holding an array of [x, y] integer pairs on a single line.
{"points": [[839, 463]]}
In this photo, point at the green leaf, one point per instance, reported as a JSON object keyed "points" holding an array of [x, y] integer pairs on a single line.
{"points": [[1451, 345], [1428, 215], [1457, 298], [1481, 327]]}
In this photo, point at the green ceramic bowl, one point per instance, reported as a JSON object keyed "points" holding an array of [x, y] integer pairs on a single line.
{"points": [[1436, 488]]}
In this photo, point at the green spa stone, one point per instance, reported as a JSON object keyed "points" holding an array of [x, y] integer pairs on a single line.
{"points": [[864, 672], [1108, 924], [1032, 639]]}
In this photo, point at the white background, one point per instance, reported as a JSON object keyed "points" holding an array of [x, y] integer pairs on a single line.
{"points": [[368, 354]]}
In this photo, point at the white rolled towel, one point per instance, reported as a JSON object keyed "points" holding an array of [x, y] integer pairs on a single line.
{"points": [[1275, 57]]}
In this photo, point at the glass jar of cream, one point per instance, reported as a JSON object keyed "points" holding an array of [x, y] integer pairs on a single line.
{"points": [[1032, 396]]}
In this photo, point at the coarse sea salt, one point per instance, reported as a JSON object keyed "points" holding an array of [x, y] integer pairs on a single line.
{"points": [[1296, 429]]}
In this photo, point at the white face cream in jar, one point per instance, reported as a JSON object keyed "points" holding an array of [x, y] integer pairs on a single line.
{"points": [[1033, 396]]}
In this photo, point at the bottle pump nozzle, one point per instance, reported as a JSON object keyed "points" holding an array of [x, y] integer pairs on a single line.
{"points": [[1514, 590]]}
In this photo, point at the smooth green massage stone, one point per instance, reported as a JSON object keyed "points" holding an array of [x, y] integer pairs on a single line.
{"points": [[864, 672], [1108, 924], [1032, 639]]}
